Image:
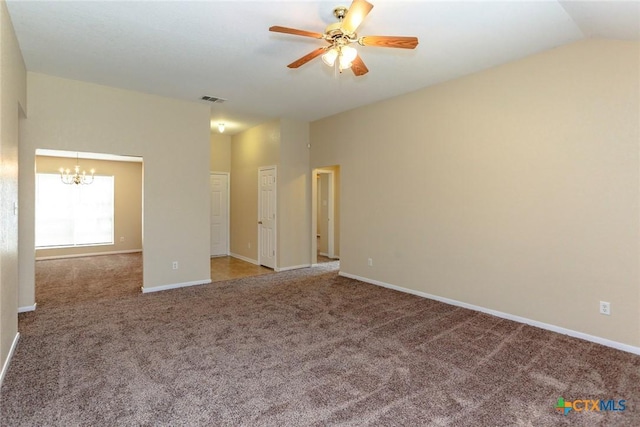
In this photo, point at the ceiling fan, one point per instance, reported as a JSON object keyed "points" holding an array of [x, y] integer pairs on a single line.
{"points": [[341, 34]]}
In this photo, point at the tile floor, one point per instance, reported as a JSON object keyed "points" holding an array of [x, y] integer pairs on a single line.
{"points": [[226, 268]]}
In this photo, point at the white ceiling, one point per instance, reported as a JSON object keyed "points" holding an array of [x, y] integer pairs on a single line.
{"points": [[185, 49]]}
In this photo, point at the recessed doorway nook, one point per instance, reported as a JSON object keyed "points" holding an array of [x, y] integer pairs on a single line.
{"points": [[325, 214]]}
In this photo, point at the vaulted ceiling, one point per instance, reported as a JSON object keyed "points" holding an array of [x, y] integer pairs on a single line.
{"points": [[185, 49]]}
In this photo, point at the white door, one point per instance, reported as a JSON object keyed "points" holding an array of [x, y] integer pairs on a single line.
{"points": [[219, 214], [267, 217]]}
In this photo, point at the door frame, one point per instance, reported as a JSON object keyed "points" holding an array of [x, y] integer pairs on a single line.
{"points": [[275, 223], [228, 174], [330, 214]]}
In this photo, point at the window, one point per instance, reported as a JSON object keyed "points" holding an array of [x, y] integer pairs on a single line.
{"points": [[73, 215]]}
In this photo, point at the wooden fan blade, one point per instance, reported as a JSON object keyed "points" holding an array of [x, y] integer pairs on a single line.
{"points": [[286, 30], [389, 41], [358, 67], [358, 10], [308, 57]]}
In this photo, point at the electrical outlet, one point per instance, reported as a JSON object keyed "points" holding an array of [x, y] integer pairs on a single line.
{"points": [[370, 262], [122, 239], [605, 308], [249, 245], [175, 265]]}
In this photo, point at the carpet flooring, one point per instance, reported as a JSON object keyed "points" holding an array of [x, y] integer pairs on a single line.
{"points": [[72, 280], [69, 280], [298, 348], [323, 259]]}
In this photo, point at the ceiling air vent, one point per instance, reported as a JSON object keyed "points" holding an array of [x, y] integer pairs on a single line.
{"points": [[213, 99]]}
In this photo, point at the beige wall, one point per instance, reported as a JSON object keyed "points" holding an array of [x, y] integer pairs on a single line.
{"points": [[515, 189], [251, 149], [172, 136], [294, 196], [13, 104], [127, 203], [280, 143], [220, 153]]}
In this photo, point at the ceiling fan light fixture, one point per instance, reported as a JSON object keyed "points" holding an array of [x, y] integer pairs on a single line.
{"points": [[347, 55], [344, 64], [343, 54], [330, 57]]}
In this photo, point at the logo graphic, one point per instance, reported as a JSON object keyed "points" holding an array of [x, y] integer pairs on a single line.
{"points": [[563, 406], [580, 405]]}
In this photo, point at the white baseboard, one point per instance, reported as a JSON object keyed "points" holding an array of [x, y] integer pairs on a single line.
{"points": [[27, 308], [5, 367], [244, 258], [592, 338], [174, 286], [43, 258], [219, 256], [293, 267]]}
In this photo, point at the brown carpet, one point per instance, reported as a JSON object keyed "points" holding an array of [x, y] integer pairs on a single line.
{"points": [[71, 280], [68, 280], [303, 347], [322, 259]]}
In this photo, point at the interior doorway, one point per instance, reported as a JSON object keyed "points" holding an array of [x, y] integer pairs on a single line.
{"points": [[88, 236], [325, 215]]}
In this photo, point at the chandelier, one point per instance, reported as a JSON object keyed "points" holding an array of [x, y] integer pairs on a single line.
{"points": [[78, 178]]}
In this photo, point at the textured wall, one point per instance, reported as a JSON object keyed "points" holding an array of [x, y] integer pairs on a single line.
{"points": [[13, 104], [171, 136], [251, 149], [220, 153], [514, 189], [280, 143], [294, 195]]}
